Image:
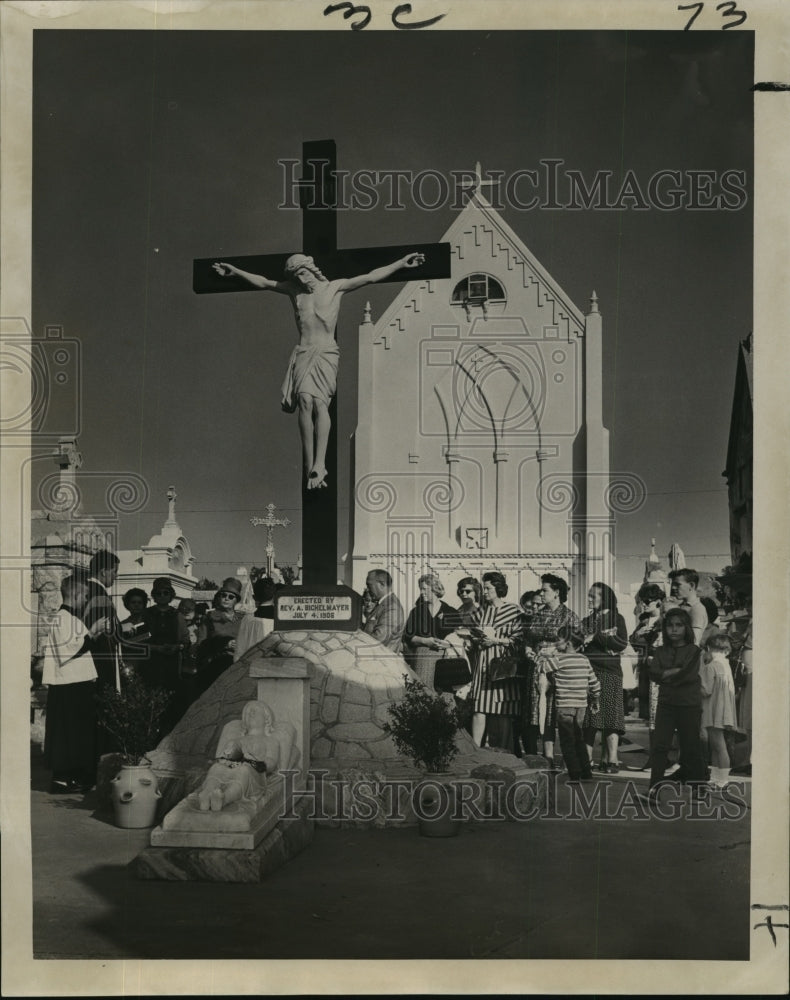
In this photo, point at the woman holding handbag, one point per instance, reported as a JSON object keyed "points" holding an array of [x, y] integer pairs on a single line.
{"points": [[453, 671], [458, 645], [497, 633]]}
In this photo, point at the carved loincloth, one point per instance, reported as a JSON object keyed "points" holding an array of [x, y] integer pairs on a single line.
{"points": [[313, 371]]}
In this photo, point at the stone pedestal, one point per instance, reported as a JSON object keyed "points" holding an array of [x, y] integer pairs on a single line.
{"points": [[284, 684], [214, 864], [239, 826]]}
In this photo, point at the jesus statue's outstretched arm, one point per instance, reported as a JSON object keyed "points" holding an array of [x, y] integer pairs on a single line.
{"points": [[256, 280], [382, 273]]}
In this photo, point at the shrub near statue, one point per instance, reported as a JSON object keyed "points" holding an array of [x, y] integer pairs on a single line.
{"points": [[424, 726]]}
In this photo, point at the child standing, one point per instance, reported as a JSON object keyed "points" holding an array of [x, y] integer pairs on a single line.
{"points": [[575, 686], [675, 667], [718, 704]]}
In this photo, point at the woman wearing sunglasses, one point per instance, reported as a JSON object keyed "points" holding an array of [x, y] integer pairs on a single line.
{"points": [[217, 634]]}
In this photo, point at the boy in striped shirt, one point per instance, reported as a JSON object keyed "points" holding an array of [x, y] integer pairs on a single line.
{"points": [[575, 686]]}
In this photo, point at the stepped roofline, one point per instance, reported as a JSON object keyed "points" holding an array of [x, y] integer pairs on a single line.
{"points": [[477, 211]]}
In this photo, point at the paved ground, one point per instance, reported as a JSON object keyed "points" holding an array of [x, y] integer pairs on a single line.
{"points": [[547, 888]]}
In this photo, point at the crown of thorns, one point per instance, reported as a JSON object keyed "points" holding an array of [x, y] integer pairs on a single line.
{"points": [[297, 261]]}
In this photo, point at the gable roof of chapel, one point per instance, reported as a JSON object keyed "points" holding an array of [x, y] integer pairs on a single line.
{"points": [[479, 224]]}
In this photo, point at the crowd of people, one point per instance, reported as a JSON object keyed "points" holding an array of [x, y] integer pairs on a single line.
{"points": [[538, 671], [534, 669], [180, 648], [518, 707], [695, 675]]}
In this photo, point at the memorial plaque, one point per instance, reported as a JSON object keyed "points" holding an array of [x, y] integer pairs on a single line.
{"points": [[332, 608]]}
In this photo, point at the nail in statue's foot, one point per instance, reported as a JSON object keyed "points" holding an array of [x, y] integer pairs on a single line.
{"points": [[317, 477]]}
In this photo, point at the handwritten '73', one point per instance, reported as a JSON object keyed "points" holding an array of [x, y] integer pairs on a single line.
{"points": [[350, 9]]}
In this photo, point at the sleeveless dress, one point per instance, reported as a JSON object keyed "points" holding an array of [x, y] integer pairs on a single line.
{"points": [[718, 694]]}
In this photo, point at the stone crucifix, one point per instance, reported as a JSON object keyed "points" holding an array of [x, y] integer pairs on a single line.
{"points": [[311, 379], [310, 384]]}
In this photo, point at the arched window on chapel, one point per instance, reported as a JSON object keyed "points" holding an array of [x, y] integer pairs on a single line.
{"points": [[477, 290]]}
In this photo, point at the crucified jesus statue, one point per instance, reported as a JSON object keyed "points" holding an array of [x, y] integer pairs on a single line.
{"points": [[311, 379]]}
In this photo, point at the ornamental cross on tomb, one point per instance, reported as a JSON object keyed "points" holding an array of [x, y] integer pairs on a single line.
{"points": [[313, 366], [270, 522]]}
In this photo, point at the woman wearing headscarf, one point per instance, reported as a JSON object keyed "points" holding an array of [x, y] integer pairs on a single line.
{"points": [[606, 636]]}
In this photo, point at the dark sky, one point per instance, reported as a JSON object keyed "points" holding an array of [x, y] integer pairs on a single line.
{"points": [[152, 148]]}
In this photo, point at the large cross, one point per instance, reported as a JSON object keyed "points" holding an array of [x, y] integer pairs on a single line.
{"points": [[318, 201], [270, 522]]}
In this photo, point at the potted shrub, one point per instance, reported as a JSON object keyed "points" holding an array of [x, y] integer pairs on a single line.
{"points": [[132, 717], [423, 727]]}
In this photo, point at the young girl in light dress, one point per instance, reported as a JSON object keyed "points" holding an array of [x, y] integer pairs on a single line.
{"points": [[718, 704]]}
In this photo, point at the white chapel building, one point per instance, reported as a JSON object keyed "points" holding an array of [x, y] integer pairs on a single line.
{"points": [[480, 443]]}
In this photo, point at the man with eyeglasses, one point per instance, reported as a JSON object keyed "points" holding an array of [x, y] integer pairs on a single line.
{"points": [[217, 634]]}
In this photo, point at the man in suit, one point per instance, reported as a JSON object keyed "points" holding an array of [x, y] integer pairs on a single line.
{"points": [[102, 571], [387, 619]]}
